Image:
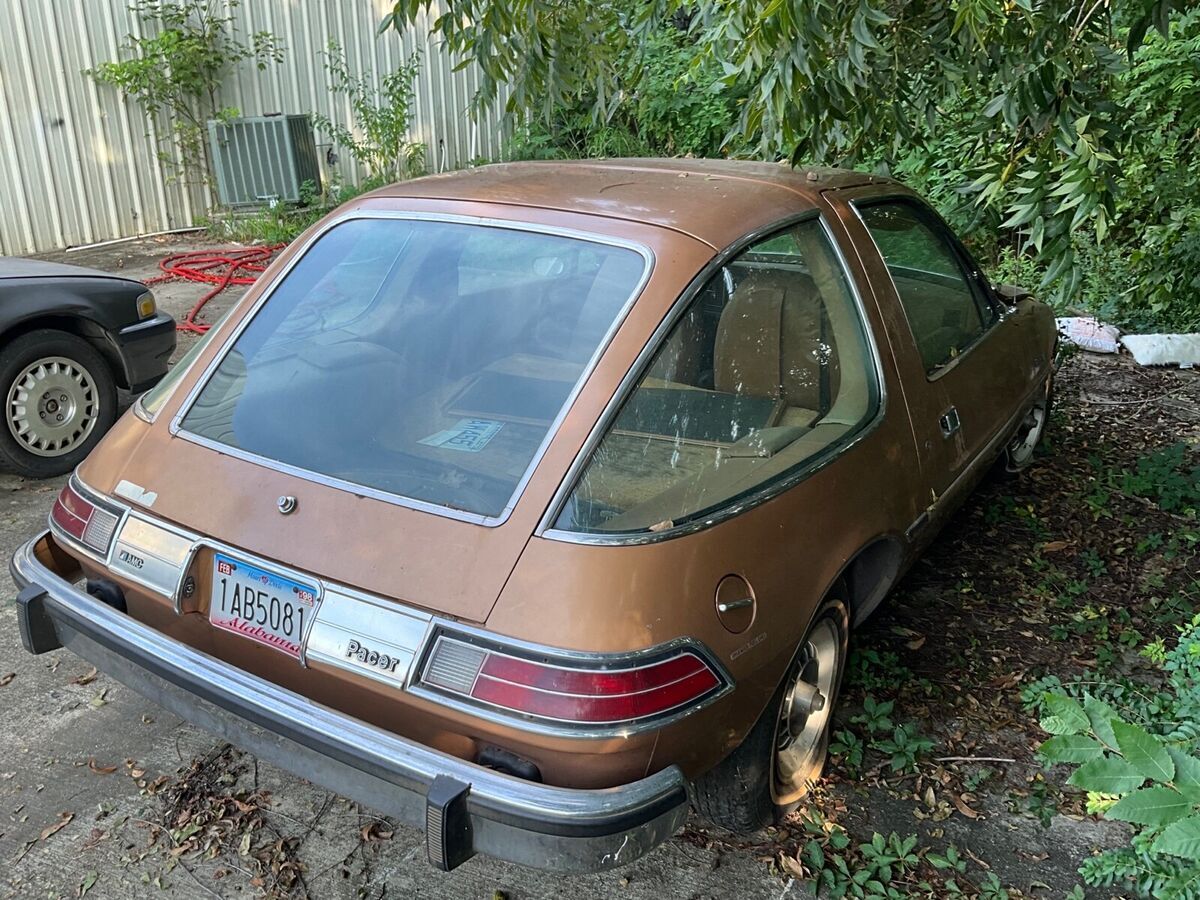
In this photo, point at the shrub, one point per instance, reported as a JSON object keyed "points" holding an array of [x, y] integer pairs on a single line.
{"points": [[1144, 773], [176, 66], [670, 109], [380, 142]]}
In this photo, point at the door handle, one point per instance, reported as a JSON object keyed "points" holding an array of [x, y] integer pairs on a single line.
{"points": [[950, 422]]}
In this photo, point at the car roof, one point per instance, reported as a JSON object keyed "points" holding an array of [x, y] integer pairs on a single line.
{"points": [[713, 200]]}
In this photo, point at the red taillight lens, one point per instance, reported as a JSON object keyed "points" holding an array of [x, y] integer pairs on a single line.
{"points": [[88, 523], [562, 691]]}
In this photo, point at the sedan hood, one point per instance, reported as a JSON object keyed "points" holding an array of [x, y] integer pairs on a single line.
{"points": [[17, 267]]}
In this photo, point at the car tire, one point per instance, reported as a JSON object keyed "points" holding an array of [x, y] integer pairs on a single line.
{"points": [[1021, 449], [59, 400], [749, 790]]}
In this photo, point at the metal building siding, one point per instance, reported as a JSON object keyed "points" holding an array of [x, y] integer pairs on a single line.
{"points": [[79, 163]]}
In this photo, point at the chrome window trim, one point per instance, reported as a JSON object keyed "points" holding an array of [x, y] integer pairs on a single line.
{"points": [[227, 342], [768, 490], [94, 497], [504, 646], [969, 275]]}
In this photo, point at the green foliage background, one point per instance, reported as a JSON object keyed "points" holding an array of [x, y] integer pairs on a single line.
{"points": [[1059, 136]]}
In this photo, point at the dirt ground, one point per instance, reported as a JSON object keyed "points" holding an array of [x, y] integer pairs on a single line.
{"points": [[1066, 570]]}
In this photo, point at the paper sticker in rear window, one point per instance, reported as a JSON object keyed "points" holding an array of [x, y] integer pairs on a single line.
{"points": [[471, 435]]}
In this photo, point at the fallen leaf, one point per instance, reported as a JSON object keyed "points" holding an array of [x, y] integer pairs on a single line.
{"points": [[86, 678], [89, 881], [374, 832], [99, 769], [791, 866], [962, 807], [1055, 546], [6, 679], [64, 819], [98, 701]]}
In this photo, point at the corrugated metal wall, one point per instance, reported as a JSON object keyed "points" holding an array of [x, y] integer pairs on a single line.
{"points": [[79, 164]]}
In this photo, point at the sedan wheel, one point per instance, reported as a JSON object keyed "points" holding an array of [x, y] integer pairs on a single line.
{"points": [[52, 406], [60, 399]]}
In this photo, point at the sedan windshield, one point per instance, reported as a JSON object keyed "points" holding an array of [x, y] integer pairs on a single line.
{"points": [[424, 359]]}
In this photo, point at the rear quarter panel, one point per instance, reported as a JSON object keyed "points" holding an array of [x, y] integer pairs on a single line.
{"points": [[790, 549]]}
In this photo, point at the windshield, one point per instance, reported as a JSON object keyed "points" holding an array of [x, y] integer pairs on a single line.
{"points": [[424, 359]]}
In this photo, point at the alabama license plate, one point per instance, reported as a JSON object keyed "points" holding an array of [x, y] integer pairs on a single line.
{"points": [[259, 604]]}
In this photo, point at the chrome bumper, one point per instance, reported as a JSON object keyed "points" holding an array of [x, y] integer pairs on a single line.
{"points": [[463, 808]]}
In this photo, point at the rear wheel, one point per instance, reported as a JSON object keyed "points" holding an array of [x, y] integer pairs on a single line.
{"points": [[60, 399], [773, 769]]}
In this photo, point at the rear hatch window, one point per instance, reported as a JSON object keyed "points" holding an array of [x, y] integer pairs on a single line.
{"points": [[426, 360]]}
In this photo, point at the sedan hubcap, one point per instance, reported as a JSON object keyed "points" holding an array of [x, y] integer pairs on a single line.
{"points": [[804, 717], [52, 406]]}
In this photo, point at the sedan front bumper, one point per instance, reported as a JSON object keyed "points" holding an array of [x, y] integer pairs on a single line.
{"points": [[463, 808]]}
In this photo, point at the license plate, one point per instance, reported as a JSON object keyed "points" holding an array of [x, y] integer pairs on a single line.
{"points": [[260, 604]]}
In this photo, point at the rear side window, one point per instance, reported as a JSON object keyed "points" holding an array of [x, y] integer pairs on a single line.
{"points": [[943, 309], [767, 369]]}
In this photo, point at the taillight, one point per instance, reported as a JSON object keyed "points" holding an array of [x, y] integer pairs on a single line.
{"points": [[87, 522], [589, 691]]}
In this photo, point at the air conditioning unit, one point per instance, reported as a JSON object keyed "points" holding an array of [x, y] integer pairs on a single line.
{"points": [[263, 159]]}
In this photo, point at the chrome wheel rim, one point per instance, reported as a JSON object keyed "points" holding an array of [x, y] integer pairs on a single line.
{"points": [[52, 406], [800, 736], [1022, 447]]}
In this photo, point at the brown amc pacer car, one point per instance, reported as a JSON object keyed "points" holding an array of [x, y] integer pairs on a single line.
{"points": [[524, 503]]}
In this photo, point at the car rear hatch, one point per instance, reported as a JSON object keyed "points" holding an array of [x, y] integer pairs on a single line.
{"points": [[377, 414]]}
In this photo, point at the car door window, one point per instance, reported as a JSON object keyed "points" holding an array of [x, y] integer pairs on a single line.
{"points": [[944, 309], [767, 369]]}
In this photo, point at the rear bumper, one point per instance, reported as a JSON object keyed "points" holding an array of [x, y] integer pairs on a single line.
{"points": [[463, 808], [145, 349]]}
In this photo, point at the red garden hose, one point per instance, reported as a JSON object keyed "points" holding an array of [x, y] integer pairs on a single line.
{"points": [[222, 267]]}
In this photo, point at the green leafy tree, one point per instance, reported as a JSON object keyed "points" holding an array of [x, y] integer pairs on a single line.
{"points": [[669, 108], [1026, 89], [380, 141], [176, 67]]}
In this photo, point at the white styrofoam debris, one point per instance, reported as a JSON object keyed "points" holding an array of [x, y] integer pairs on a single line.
{"points": [[1181, 350]]}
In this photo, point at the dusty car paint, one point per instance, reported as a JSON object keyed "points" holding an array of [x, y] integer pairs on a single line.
{"points": [[861, 515]]}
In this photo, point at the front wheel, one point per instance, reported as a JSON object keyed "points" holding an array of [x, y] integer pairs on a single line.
{"points": [[1019, 453], [774, 768], [60, 399]]}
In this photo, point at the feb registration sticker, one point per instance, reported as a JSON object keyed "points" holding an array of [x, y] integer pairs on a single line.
{"points": [[469, 435]]}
